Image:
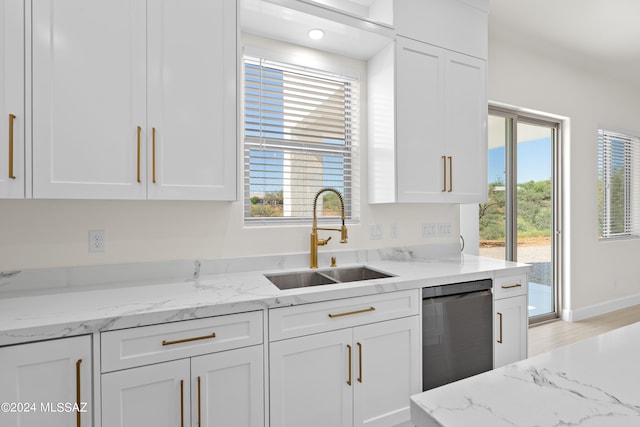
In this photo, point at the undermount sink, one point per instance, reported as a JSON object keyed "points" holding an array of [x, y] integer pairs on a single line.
{"points": [[302, 279]]}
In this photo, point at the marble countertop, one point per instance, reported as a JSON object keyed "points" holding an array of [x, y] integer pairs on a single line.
{"points": [[56, 303], [590, 383]]}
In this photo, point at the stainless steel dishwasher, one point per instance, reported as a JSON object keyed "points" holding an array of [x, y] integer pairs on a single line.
{"points": [[457, 332]]}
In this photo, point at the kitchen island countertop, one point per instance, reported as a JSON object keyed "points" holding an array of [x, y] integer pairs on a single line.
{"points": [[590, 383]]}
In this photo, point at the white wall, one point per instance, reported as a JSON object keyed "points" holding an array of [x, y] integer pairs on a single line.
{"points": [[44, 233], [600, 276]]}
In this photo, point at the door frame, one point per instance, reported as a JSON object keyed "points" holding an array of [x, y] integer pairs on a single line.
{"points": [[518, 116]]}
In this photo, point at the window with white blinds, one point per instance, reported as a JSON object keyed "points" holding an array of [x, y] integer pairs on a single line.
{"points": [[300, 135], [619, 185]]}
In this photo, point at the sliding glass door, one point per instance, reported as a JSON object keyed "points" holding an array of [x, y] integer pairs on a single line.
{"points": [[519, 221]]}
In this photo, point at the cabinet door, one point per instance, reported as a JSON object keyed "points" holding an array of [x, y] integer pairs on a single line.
{"points": [[387, 371], [192, 99], [511, 325], [466, 127], [154, 395], [311, 380], [12, 124], [228, 388], [89, 96], [44, 374], [420, 138]]}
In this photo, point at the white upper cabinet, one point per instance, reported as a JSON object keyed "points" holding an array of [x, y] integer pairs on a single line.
{"points": [[12, 119], [89, 80], [458, 25], [191, 101], [428, 112], [133, 101]]}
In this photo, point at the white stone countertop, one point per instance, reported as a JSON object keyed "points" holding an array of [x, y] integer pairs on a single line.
{"points": [[592, 383], [44, 304]]}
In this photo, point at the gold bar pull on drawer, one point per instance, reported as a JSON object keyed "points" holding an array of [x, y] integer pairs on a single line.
{"points": [[450, 174], [517, 285], [153, 155], [12, 117], [349, 355], [444, 173], [78, 420], [349, 313], [139, 130], [205, 337]]}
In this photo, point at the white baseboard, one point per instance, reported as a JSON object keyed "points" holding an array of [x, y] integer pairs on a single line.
{"points": [[598, 309]]}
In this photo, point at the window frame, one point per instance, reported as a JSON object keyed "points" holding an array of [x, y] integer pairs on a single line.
{"points": [[607, 155], [351, 188]]}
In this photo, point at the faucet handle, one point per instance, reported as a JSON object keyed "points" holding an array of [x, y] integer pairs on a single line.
{"points": [[322, 242]]}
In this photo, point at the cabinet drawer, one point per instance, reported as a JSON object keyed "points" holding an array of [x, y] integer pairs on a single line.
{"points": [[510, 286], [289, 322], [159, 343]]}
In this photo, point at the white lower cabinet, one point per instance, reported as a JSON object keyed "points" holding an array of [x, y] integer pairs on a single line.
{"points": [[355, 376], [216, 377], [511, 319], [47, 383], [220, 389]]}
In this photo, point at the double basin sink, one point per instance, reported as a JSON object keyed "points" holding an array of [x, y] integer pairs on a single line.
{"points": [[301, 279]]}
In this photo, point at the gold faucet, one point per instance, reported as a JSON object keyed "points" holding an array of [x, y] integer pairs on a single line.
{"points": [[315, 242]]}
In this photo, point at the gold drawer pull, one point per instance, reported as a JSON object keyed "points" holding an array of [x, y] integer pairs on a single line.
{"points": [[450, 174], [206, 337], [199, 403], [349, 313], [139, 130], [153, 155], [78, 421], [444, 173], [12, 117], [350, 364], [181, 403], [359, 362], [517, 285]]}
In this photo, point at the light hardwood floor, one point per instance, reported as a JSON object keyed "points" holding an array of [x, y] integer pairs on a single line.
{"points": [[551, 335]]}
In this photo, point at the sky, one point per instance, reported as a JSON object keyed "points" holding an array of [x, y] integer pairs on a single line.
{"points": [[534, 161]]}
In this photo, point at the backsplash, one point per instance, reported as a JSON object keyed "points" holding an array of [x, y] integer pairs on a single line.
{"points": [[69, 279]]}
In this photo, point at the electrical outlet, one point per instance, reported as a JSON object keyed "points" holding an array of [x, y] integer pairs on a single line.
{"points": [[375, 232], [394, 230], [444, 229], [429, 230], [96, 241]]}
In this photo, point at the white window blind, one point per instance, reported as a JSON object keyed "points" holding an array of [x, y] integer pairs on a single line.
{"points": [[619, 185], [300, 135]]}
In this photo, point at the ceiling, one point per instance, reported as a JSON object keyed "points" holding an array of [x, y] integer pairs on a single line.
{"points": [[603, 35]]}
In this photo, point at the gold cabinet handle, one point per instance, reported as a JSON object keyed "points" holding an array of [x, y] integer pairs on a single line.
{"points": [[153, 155], [12, 117], [78, 421], [350, 366], [359, 362], [199, 419], [349, 313], [517, 285], [205, 337], [450, 174], [181, 403], [500, 339], [138, 173], [444, 173]]}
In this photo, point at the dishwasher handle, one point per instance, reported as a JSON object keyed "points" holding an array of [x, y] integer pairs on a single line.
{"points": [[465, 295]]}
